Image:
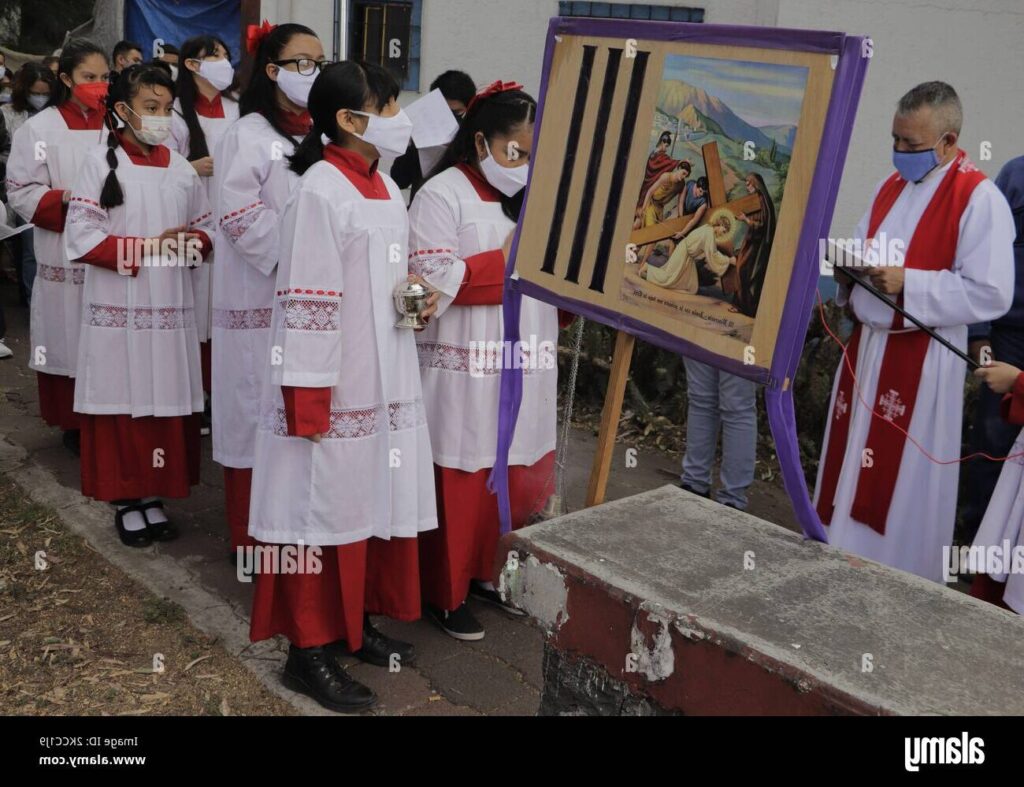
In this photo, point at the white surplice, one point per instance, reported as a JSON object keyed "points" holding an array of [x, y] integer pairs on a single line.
{"points": [[460, 353], [138, 353], [213, 130], [1003, 526], [45, 155], [251, 183], [333, 326], [978, 288]]}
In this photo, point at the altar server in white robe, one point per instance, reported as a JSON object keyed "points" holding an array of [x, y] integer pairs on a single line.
{"points": [[998, 546], [342, 452], [251, 183], [460, 226], [139, 382], [203, 110], [46, 155], [880, 495]]}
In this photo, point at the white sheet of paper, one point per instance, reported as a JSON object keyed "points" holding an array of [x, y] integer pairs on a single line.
{"points": [[429, 158], [433, 123]]}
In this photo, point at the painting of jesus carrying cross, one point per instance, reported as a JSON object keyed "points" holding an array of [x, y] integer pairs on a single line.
{"points": [[721, 143]]}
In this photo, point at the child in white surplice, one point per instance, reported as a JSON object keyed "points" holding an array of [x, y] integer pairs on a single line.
{"points": [[343, 457], [140, 221]]}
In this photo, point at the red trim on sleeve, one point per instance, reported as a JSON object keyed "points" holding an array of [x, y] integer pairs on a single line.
{"points": [[565, 319], [115, 253], [1012, 406], [307, 410], [51, 212], [484, 281]]}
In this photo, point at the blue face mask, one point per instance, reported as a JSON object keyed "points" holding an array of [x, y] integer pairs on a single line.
{"points": [[914, 165]]}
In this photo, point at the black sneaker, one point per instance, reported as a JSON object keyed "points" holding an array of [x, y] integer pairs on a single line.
{"points": [[378, 648], [311, 671], [488, 596], [459, 623]]}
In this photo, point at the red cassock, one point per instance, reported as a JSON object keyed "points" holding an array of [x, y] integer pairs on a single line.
{"points": [[373, 576]]}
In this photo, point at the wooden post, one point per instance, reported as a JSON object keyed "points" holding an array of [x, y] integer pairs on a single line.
{"points": [[599, 471]]}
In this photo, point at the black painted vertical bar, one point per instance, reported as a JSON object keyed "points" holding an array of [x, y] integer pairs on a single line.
{"points": [[604, 110], [572, 144], [636, 87]]}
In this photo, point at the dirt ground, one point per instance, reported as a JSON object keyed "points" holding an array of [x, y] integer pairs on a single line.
{"points": [[79, 637]]}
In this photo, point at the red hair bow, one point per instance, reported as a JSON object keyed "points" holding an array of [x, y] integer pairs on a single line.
{"points": [[492, 89], [254, 35]]}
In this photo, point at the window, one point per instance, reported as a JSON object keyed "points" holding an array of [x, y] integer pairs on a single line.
{"points": [[654, 13], [388, 33]]}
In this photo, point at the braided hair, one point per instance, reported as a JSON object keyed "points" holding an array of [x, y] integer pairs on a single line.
{"points": [[123, 90], [496, 115]]}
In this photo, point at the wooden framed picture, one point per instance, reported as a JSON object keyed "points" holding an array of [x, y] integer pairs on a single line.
{"points": [[670, 186], [681, 177]]}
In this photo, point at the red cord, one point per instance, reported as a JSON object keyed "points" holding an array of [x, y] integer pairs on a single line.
{"points": [[875, 413]]}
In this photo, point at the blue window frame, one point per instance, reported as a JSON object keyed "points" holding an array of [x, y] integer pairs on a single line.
{"points": [[647, 11]]}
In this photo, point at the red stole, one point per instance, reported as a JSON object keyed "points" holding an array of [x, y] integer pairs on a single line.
{"points": [[932, 248]]}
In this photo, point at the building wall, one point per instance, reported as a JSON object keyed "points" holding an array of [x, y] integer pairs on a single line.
{"points": [[978, 49]]}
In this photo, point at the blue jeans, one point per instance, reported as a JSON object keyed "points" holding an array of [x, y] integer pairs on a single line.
{"points": [[720, 399]]}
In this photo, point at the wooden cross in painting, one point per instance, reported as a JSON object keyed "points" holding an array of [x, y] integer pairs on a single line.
{"points": [[624, 342], [748, 203]]}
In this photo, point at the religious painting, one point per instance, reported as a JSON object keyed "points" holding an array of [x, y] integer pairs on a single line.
{"points": [[721, 141], [670, 179]]}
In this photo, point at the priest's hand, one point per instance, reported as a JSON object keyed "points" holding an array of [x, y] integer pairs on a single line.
{"points": [[887, 278], [432, 299], [313, 438], [1000, 377]]}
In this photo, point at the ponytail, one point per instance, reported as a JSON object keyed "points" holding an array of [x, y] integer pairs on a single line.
{"points": [[349, 84], [308, 153]]}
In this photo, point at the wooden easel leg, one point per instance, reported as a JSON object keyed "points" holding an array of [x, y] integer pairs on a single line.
{"points": [[621, 359]]}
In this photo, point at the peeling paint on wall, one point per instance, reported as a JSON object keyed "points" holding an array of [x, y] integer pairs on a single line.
{"points": [[536, 588], [656, 661]]}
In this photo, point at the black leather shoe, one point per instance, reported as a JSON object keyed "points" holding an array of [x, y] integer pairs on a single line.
{"points": [[158, 531], [378, 647], [131, 538], [311, 671]]}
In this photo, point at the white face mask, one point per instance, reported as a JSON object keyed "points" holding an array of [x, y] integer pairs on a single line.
{"points": [[154, 130], [389, 135], [508, 180], [174, 72], [37, 101], [295, 85], [219, 73]]}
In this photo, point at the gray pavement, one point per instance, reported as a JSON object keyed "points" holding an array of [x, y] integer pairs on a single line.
{"points": [[500, 675]]}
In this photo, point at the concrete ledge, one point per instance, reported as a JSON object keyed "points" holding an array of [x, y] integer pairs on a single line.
{"points": [[669, 603]]}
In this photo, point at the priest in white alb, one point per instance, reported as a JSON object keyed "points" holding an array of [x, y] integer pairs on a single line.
{"points": [[880, 493]]}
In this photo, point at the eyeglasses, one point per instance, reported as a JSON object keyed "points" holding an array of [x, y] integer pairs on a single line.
{"points": [[305, 65]]}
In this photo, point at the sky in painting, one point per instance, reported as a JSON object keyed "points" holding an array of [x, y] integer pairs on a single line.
{"points": [[763, 94]]}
